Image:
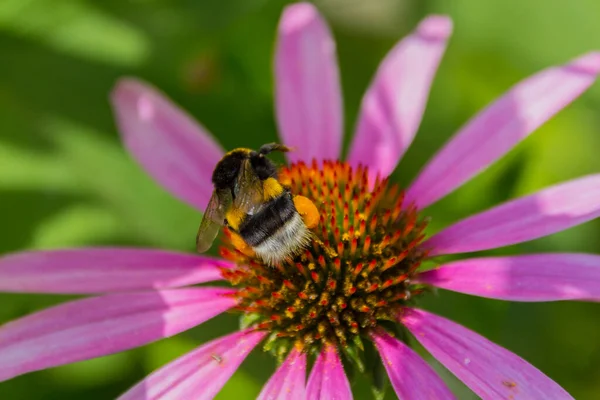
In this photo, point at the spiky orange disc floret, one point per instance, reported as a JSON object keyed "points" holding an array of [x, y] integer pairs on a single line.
{"points": [[355, 274]]}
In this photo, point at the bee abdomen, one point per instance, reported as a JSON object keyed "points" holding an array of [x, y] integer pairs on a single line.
{"points": [[255, 229], [277, 231]]}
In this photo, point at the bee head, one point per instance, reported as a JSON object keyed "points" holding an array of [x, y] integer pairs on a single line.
{"points": [[227, 170], [264, 167]]}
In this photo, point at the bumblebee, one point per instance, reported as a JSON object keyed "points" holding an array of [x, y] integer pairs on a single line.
{"points": [[265, 218]]}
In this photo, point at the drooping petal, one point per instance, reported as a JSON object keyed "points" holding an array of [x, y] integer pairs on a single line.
{"points": [[411, 377], [393, 105], [288, 382], [307, 86], [98, 270], [503, 124], [551, 210], [84, 329], [173, 148], [199, 374], [539, 277], [491, 371], [327, 379]]}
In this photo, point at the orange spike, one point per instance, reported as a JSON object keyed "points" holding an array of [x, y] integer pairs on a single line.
{"points": [[347, 192], [385, 241], [389, 263], [353, 245], [301, 268], [357, 269], [387, 284], [315, 276], [381, 303], [355, 202], [373, 224], [386, 217], [321, 261], [337, 264], [252, 289], [263, 280], [289, 284], [363, 227], [367, 244], [371, 267], [396, 236], [415, 266], [332, 284]]}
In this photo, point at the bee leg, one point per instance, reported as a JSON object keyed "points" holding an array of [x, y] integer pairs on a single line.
{"points": [[241, 245], [307, 210]]}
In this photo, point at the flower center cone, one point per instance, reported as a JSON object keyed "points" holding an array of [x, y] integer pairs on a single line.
{"points": [[356, 272]]}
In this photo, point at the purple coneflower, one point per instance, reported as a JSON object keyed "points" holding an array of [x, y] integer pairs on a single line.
{"points": [[358, 287]]}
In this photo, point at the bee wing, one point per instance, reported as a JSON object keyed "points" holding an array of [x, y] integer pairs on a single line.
{"points": [[250, 195], [213, 219]]}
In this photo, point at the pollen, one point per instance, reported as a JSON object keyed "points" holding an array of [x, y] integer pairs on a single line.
{"points": [[308, 211], [354, 275]]}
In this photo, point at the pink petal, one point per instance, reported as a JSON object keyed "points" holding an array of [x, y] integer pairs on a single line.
{"points": [[308, 98], [393, 105], [199, 374], [96, 270], [327, 379], [411, 377], [551, 210], [94, 327], [540, 277], [287, 383], [491, 371], [503, 124], [173, 148]]}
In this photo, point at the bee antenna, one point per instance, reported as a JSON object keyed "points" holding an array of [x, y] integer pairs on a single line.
{"points": [[270, 147]]}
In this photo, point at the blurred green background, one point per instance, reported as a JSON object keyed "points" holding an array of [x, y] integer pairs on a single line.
{"points": [[66, 181]]}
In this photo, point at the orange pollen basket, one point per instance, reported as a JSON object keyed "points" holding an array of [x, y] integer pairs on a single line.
{"points": [[355, 274]]}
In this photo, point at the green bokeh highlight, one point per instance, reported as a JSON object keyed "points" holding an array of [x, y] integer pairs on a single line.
{"points": [[66, 181]]}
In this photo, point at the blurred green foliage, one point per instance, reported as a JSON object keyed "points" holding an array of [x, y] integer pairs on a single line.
{"points": [[66, 181]]}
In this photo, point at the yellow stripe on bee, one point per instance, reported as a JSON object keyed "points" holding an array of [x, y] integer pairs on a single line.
{"points": [[238, 150], [271, 189], [234, 217]]}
